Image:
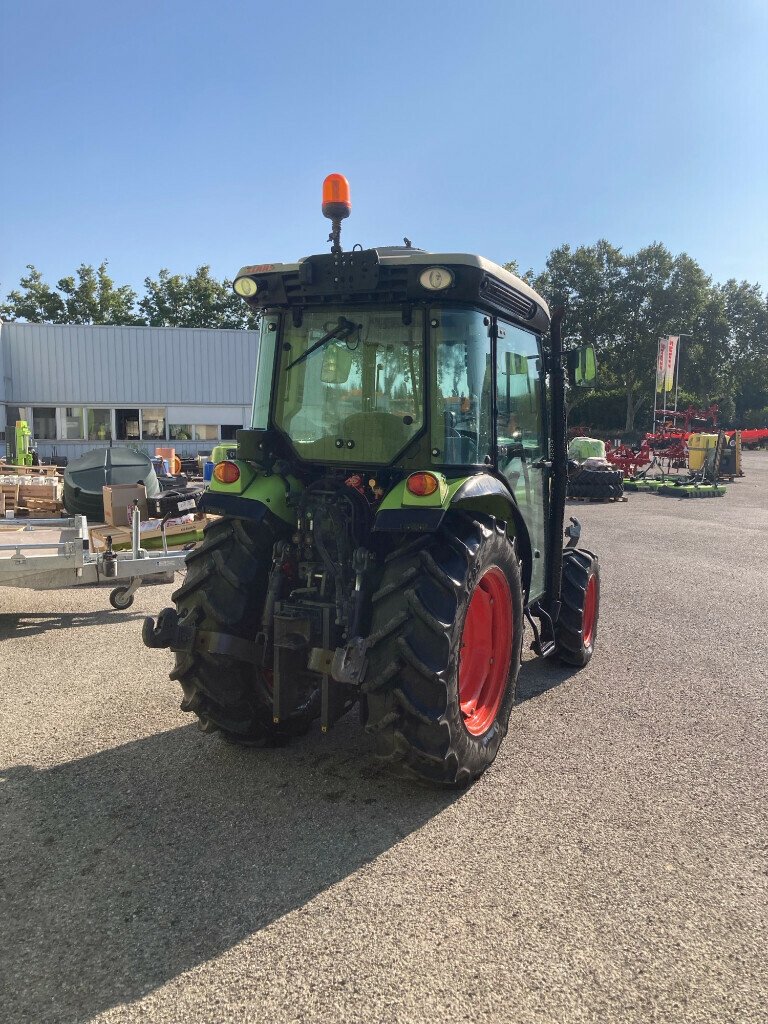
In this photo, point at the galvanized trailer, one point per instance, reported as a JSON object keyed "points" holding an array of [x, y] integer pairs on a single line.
{"points": [[49, 554]]}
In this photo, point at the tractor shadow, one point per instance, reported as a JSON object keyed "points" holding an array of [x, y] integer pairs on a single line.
{"points": [[124, 869], [27, 624], [538, 675]]}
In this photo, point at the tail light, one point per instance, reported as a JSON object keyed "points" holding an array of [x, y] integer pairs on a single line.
{"points": [[422, 484], [226, 472]]}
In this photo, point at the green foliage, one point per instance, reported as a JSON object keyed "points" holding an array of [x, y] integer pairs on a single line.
{"points": [[623, 303], [194, 300], [91, 297], [94, 299], [36, 301]]}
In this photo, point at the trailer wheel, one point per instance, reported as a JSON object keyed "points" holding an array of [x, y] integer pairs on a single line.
{"points": [[224, 591], [446, 638], [576, 628], [118, 599]]}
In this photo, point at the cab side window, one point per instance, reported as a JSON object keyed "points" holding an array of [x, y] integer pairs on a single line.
{"points": [[518, 391], [461, 409]]}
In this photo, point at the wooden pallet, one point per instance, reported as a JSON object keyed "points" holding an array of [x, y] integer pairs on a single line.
{"points": [[46, 471], [121, 535]]}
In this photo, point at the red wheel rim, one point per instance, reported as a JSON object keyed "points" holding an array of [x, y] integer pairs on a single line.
{"points": [[590, 608], [485, 652]]}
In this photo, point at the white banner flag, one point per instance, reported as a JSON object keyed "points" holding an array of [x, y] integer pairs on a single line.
{"points": [[661, 364], [669, 371]]}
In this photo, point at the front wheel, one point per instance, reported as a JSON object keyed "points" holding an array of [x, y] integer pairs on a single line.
{"points": [[576, 630], [446, 637]]}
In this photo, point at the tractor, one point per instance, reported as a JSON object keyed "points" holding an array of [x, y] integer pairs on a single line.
{"points": [[393, 514]]}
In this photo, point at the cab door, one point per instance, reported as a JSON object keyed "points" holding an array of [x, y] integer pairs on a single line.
{"points": [[521, 435]]}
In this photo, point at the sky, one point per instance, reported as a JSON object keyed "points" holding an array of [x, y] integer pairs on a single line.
{"points": [[168, 134]]}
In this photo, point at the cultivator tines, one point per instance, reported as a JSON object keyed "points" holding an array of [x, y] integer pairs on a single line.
{"points": [[626, 459]]}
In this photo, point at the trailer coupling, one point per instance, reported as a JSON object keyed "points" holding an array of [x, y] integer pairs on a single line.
{"points": [[168, 632]]}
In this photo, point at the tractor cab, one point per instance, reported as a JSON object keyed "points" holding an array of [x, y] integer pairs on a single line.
{"points": [[396, 504]]}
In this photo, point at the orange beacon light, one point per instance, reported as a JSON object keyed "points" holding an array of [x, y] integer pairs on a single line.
{"points": [[337, 203]]}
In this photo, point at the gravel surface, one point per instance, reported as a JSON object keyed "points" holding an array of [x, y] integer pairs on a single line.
{"points": [[609, 867]]}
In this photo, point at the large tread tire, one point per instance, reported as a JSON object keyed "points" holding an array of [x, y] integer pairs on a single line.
{"points": [[411, 684], [596, 488], [574, 636], [224, 591], [587, 477]]}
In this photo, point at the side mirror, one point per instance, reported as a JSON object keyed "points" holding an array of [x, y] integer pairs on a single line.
{"points": [[515, 364], [582, 367], [337, 362]]}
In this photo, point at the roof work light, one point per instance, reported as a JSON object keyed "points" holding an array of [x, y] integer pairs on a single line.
{"points": [[245, 287]]}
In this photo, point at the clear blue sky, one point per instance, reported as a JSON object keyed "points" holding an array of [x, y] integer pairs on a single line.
{"points": [[167, 134]]}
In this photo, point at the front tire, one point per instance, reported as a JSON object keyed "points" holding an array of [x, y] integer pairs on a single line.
{"points": [[576, 629], [445, 655]]}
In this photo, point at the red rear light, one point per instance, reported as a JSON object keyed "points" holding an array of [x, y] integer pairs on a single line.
{"points": [[422, 484], [226, 472]]}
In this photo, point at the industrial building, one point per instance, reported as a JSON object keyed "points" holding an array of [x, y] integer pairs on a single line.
{"points": [[82, 386]]}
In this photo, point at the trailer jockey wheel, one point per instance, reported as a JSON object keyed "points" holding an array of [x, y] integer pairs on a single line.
{"points": [[121, 598], [576, 629]]}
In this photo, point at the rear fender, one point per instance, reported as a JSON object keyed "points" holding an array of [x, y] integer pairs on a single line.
{"points": [[254, 495], [403, 512]]}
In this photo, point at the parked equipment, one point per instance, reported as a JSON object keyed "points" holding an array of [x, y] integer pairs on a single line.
{"points": [[85, 478], [393, 513], [50, 554], [590, 476]]}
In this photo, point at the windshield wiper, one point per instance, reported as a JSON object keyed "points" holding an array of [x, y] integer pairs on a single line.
{"points": [[343, 327]]}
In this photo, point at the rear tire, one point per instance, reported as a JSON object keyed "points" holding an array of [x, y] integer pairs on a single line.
{"points": [[576, 628], [447, 632], [224, 591]]}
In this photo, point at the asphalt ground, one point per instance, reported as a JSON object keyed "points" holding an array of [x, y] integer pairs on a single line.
{"points": [[609, 867]]}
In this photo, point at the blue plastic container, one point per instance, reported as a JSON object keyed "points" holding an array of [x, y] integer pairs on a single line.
{"points": [[208, 471]]}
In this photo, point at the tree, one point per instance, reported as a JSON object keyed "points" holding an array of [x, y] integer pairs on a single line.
{"points": [[194, 300], [623, 304], [746, 312], [36, 302], [94, 299]]}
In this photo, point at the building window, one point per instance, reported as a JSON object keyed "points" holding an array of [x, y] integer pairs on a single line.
{"points": [[14, 413], [43, 423], [228, 431], [127, 424], [153, 424], [72, 423], [99, 424], [194, 432]]}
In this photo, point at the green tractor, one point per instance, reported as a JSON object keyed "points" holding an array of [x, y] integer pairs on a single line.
{"points": [[393, 513]]}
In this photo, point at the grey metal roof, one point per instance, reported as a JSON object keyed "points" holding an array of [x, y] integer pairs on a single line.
{"points": [[72, 364]]}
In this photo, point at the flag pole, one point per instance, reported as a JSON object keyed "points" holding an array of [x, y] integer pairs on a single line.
{"points": [[677, 367], [677, 371], [661, 357]]}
